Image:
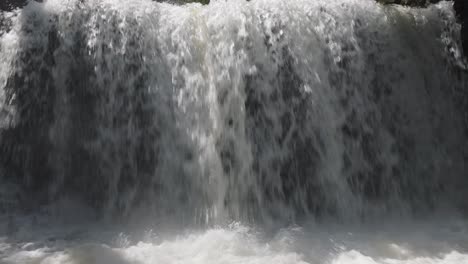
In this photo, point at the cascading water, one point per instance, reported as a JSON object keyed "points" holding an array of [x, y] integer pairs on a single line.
{"points": [[269, 113]]}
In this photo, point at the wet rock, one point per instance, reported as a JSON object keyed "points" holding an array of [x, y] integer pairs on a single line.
{"points": [[8, 5], [461, 8], [409, 2], [204, 2]]}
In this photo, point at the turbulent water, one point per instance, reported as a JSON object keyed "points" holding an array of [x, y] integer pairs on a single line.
{"points": [[267, 131]]}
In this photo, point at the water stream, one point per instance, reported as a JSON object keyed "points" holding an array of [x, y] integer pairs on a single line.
{"points": [[267, 131]]}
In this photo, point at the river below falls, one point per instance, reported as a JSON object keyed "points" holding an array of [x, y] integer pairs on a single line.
{"points": [[438, 240]]}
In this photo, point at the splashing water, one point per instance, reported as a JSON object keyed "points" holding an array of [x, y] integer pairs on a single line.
{"points": [[411, 243], [268, 113]]}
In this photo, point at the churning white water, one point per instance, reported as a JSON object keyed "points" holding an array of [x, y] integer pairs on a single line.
{"points": [[422, 243], [267, 131]]}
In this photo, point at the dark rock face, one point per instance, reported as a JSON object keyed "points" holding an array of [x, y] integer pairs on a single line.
{"points": [[8, 5], [180, 2], [461, 8], [409, 2]]}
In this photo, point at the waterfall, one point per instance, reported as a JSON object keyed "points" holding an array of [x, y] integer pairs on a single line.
{"points": [[263, 131], [252, 111]]}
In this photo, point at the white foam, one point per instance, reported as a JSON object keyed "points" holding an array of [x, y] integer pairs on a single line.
{"points": [[355, 257], [398, 243]]}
